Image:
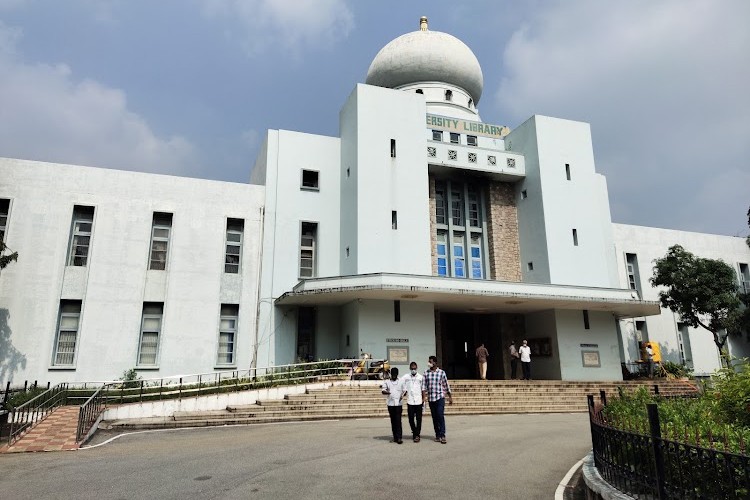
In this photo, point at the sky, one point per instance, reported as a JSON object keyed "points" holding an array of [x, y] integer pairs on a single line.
{"points": [[189, 87]]}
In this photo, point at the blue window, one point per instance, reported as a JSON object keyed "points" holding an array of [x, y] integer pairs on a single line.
{"points": [[476, 257], [442, 255], [459, 269]]}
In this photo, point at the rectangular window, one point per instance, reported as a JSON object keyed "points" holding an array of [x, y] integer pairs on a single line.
{"points": [[683, 340], [233, 256], [437, 135], [530, 266], [476, 257], [148, 347], [227, 334], [457, 208], [744, 278], [524, 194], [641, 331], [631, 263], [440, 203], [306, 334], [80, 235], [442, 253], [567, 171], [68, 325], [394, 219], [459, 258], [473, 208], [4, 212], [455, 138], [393, 148], [575, 237], [310, 180], [397, 311], [448, 95], [307, 253], [586, 324], [471, 140], [161, 226]]}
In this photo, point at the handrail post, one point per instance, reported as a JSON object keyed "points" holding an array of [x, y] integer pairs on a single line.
{"points": [[653, 421], [179, 392]]}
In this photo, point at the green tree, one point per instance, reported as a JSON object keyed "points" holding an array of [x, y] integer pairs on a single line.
{"points": [[702, 291], [6, 259]]}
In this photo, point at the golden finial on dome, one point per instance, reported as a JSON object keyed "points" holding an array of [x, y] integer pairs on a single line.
{"points": [[423, 23]]}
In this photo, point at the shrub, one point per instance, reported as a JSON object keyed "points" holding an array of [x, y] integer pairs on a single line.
{"points": [[676, 370], [730, 390]]}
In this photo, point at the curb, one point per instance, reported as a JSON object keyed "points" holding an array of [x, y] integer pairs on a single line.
{"points": [[596, 483]]}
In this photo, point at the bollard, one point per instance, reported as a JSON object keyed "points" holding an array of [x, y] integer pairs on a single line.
{"points": [[653, 421]]}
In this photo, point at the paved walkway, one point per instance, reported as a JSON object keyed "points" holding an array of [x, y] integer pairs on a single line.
{"points": [[490, 456], [57, 432]]}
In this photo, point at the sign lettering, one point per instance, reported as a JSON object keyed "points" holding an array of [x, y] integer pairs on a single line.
{"points": [[466, 126]]}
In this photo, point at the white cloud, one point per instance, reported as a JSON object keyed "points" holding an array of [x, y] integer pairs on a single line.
{"points": [[290, 25], [48, 114], [664, 87]]}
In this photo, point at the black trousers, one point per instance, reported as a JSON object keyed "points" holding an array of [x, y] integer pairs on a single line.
{"points": [[513, 368], [526, 369], [395, 413], [415, 419]]}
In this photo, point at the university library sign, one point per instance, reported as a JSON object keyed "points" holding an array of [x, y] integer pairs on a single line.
{"points": [[466, 126]]}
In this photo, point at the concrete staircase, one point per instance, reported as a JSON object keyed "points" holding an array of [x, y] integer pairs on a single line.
{"points": [[363, 400]]}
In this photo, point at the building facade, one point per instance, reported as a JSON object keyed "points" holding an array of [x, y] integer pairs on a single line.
{"points": [[419, 230]]}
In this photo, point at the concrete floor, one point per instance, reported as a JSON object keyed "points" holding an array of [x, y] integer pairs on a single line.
{"points": [[493, 456]]}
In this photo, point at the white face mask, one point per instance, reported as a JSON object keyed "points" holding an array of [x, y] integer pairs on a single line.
{"points": [[414, 372]]}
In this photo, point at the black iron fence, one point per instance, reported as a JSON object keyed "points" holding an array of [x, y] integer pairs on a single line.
{"points": [[23, 417], [647, 465], [89, 413]]}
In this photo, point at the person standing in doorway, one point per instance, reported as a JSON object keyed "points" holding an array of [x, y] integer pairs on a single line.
{"points": [[412, 384], [513, 359], [525, 352], [394, 391], [482, 355], [435, 389]]}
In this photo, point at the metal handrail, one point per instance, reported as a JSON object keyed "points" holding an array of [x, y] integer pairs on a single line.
{"points": [[89, 412], [23, 417], [179, 386]]}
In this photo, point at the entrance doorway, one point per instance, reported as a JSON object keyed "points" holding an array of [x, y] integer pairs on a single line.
{"points": [[461, 334]]}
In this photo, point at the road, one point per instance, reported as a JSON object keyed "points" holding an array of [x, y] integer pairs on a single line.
{"points": [[492, 456]]}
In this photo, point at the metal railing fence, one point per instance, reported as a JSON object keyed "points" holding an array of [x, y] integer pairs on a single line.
{"points": [[648, 465], [202, 384], [26, 415], [94, 397], [90, 411]]}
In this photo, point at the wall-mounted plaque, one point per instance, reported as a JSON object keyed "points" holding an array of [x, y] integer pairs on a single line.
{"points": [[591, 359], [398, 355]]}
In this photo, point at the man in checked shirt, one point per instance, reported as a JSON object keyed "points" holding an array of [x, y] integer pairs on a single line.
{"points": [[435, 388]]}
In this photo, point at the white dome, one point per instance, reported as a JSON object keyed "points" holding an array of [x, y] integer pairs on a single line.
{"points": [[427, 56]]}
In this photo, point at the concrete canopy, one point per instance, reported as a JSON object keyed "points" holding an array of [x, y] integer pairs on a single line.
{"points": [[470, 296]]}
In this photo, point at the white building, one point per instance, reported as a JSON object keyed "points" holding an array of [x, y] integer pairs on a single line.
{"points": [[419, 230]]}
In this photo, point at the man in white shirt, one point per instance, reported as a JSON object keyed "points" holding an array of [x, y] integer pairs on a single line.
{"points": [[412, 384], [525, 352], [393, 389]]}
